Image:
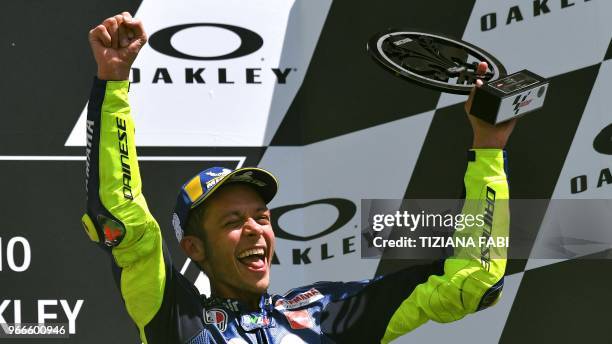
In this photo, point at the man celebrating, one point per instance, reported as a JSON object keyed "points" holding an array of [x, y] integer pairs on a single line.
{"points": [[223, 224]]}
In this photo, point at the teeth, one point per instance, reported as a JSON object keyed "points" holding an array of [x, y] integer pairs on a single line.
{"points": [[251, 252]]}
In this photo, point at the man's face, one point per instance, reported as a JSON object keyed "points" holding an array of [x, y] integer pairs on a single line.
{"points": [[239, 242]]}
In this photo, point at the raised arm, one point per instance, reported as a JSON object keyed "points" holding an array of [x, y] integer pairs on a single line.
{"points": [[117, 215], [472, 279]]}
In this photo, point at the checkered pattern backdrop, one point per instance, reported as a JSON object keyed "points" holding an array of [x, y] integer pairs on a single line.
{"points": [[333, 125]]}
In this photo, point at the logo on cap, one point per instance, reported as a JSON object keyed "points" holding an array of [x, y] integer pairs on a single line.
{"points": [[224, 172], [247, 177]]}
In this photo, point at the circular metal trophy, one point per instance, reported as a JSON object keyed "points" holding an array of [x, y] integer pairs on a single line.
{"points": [[449, 65]]}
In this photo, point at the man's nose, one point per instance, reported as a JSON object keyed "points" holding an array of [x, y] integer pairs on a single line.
{"points": [[251, 227]]}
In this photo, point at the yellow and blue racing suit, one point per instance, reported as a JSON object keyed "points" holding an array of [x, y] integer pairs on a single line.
{"points": [[167, 308]]}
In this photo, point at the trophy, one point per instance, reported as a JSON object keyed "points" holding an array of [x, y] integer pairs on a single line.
{"points": [[449, 65]]}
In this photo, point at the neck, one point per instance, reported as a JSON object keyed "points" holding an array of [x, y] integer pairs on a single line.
{"points": [[249, 300]]}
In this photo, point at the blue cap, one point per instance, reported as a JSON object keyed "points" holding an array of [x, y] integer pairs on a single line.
{"points": [[197, 189]]}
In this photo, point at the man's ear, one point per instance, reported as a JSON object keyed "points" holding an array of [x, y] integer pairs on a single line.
{"points": [[193, 248]]}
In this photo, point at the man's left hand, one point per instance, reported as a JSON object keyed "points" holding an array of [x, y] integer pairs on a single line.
{"points": [[487, 135]]}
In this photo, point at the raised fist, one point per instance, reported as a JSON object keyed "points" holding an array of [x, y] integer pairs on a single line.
{"points": [[115, 44]]}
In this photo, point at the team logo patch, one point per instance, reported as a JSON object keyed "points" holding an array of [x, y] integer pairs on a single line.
{"points": [[251, 322], [300, 319], [214, 302], [299, 300], [231, 305], [112, 230], [216, 317]]}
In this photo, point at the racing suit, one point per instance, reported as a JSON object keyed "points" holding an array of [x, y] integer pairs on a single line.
{"points": [[167, 308]]}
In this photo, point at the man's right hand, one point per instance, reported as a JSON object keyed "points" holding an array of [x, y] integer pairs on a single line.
{"points": [[115, 44]]}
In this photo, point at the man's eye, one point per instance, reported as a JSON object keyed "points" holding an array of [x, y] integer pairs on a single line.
{"points": [[263, 219], [233, 223]]}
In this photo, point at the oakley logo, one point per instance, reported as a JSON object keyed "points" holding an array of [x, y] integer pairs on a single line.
{"points": [[518, 12], [603, 141], [250, 42], [346, 211]]}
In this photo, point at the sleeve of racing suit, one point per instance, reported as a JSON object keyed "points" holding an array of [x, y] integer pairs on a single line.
{"points": [[473, 277], [117, 216], [387, 307]]}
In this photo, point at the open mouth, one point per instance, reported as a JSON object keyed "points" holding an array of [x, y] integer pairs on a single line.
{"points": [[253, 258]]}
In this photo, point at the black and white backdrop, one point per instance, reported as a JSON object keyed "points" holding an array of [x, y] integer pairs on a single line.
{"points": [[312, 107]]}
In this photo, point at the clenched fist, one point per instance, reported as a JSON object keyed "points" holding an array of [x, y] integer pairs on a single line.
{"points": [[115, 44]]}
